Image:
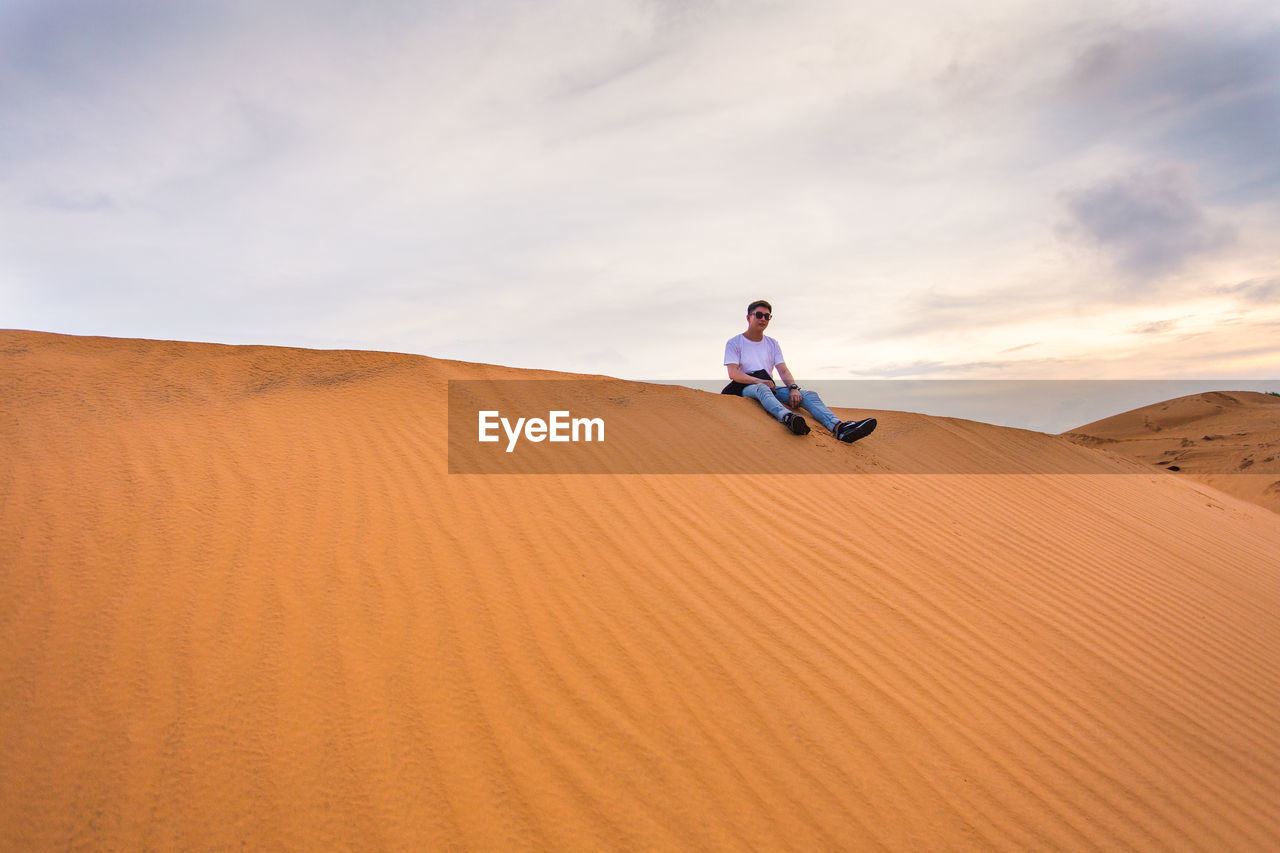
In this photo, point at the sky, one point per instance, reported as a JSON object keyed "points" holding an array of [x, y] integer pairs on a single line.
{"points": [[994, 189]]}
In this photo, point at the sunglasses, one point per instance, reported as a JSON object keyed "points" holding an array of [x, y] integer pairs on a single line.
{"points": [[760, 315]]}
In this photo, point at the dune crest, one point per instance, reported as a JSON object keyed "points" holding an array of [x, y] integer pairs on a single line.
{"points": [[245, 604], [1228, 440]]}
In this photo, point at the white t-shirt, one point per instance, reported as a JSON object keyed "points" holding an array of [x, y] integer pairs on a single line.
{"points": [[753, 355]]}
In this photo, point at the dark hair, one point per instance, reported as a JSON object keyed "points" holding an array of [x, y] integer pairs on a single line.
{"points": [[754, 305]]}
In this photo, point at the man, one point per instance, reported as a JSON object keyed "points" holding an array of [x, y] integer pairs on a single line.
{"points": [[751, 358]]}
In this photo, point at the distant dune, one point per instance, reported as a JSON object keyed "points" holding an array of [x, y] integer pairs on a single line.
{"points": [[245, 605], [1230, 441]]}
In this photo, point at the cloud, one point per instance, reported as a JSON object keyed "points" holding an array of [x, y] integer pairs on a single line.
{"points": [[1201, 92], [1148, 223], [930, 369], [1157, 327], [1255, 291], [929, 314]]}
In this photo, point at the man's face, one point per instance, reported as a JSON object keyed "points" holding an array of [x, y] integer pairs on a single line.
{"points": [[759, 318]]}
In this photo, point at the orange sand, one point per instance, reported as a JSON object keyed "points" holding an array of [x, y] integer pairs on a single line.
{"points": [[245, 605], [1230, 441]]}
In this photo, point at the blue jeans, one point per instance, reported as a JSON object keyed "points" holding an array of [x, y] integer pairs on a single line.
{"points": [[773, 402]]}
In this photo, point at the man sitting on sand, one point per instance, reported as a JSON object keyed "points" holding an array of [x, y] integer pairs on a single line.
{"points": [[751, 358]]}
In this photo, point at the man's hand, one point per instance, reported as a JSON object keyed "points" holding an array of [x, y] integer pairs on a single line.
{"points": [[795, 398], [768, 383]]}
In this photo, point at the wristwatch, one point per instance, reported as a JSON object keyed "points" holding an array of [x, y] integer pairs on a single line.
{"points": [[794, 387]]}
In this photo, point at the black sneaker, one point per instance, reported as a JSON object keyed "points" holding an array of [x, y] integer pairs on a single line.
{"points": [[795, 423], [851, 431]]}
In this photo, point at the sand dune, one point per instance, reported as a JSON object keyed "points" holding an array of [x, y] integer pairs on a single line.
{"points": [[246, 605], [1230, 441]]}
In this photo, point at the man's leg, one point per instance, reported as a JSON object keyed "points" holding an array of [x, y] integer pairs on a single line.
{"points": [[773, 406], [766, 398], [849, 431], [811, 401]]}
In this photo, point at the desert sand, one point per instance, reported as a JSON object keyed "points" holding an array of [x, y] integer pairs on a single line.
{"points": [[246, 605], [1228, 440]]}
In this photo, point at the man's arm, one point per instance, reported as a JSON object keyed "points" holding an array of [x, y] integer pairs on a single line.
{"points": [[788, 380], [737, 374]]}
